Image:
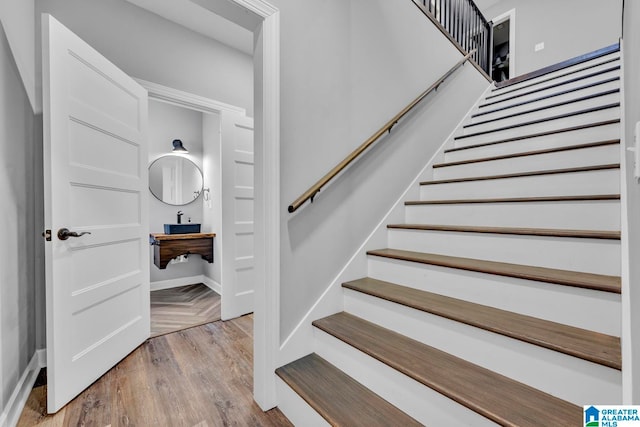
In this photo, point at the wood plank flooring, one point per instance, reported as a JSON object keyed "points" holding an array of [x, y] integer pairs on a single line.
{"points": [[184, 307], [201, 376]]}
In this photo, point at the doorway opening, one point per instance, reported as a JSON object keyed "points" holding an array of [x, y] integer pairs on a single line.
{"points": [[216, 178], [264, 25], [503, 61]]}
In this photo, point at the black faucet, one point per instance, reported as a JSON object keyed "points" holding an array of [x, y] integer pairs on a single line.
{"points": [[180, 213]]}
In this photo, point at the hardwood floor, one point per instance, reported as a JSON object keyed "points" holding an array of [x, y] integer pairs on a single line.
{"points": [[201, 376], [184, 307]]}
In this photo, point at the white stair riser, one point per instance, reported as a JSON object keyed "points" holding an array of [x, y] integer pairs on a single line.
{"points": [[557, 303], [582, 381], [601, 64], [535, 92], [601, 155], [598, 256], [563, 139], [588, 215], [551, 125], [413, 398], [299, 412], [543, 102], [542, 114], [605, 181]]}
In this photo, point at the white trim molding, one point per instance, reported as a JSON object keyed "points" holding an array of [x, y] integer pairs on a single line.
{"points": [[185, 281], [185, 99], [175, 283], [510, 16], [11, 414], [268, 208], [212, 284], [259, 7]]}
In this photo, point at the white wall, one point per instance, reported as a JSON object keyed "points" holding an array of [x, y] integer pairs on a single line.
{"points": [[17, 210], [631, 200], [166, 123], [17, 18], [568, 28], [348, 67], [152, 48]]}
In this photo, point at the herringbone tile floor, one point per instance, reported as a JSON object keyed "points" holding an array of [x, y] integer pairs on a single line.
{"points": [[184, 307]]}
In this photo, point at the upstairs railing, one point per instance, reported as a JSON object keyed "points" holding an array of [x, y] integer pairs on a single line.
{"points": [[355, 154], [464, 24]]}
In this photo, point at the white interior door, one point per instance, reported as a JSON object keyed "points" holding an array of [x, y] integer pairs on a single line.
{"points": [[238, 270], [95, 172]]}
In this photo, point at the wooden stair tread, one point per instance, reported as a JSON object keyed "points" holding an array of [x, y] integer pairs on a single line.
{"points": [[546, 119], [528, 153], [561, 65], [559, 76], [492, 395], [549, 232], [542, 98], [545, 107], [516, 200], [592, 281], [535, 135], [531, 92], [588, 345], [524, 174], [337, 397]]}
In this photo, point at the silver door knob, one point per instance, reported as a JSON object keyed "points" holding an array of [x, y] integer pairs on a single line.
{"points": [[65, 233]]}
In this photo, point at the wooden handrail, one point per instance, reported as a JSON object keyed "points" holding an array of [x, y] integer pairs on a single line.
{"points": [[315, 188]]}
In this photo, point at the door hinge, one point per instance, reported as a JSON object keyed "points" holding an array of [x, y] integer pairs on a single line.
{"points": [[47, 235]]}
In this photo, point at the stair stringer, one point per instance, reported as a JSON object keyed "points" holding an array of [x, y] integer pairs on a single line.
{"points": [[300, 341], [627, 149]]}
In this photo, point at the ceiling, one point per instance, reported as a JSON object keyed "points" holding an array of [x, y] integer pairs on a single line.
{"points": [[483, 5], [201, 20]]}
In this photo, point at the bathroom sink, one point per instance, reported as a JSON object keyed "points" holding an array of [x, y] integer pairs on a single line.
{"points": [[181, 228]]}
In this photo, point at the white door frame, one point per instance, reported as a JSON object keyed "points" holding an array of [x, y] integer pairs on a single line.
{"points": [[510, 16], [266, 63], [267, 207], [266, 320]]}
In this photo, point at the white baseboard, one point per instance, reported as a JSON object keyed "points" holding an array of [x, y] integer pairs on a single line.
{"points": [[299, 343], [174, 283], [184, 281], [18, 399], [212, 284]]}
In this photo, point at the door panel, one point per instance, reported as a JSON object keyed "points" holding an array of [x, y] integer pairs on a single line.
{"points": [[237, 216], [95, 154]]}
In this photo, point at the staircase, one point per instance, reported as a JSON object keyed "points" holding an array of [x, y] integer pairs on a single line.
{"points": [[498, 300]]}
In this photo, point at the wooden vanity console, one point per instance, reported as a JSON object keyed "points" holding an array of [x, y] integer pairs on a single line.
{"points": [[168, 246]]}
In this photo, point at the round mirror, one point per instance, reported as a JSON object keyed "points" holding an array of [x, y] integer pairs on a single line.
{"points": [[175, 180]]}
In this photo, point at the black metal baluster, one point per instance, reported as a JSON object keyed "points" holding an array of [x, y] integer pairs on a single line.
{"points": [[464, 25], [456, 17], [461, 23], [447, 7], [470, 17], [485, 54], [450, 16], [477, 35]]}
